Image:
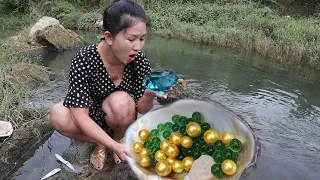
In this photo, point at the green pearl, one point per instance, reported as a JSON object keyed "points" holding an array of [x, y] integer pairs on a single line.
{"points": [[154, 149], [190, 120], [228, 154], [168, 125], [175, 118], [196, 153], [235, 145], [217, 171], [203, 147], [235, 156], [218, 156], [180, 157], [161, 127], [182, 130], [219, 146], [156, 141], [166, 134], [147, 144], [154, 133], [205, 126], [196, 145], [175, 127], [197, 116], [183, 121], [189, 152], [209, 150], [154, 162]]}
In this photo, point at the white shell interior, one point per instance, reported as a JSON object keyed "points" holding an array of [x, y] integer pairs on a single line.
{"points": [[218, 117], [10, 128]]}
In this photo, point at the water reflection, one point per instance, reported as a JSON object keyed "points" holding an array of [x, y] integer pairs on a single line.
{"points": [[282, 107]]}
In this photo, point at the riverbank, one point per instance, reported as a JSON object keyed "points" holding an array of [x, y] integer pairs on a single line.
{"points": [[293, 40]]}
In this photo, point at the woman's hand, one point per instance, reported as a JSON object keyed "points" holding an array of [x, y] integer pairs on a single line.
{"points": [[153, 94], [121, 150]]}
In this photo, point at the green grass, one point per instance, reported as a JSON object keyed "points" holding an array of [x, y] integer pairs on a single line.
{"points": [[14, 107], [242, 26]]}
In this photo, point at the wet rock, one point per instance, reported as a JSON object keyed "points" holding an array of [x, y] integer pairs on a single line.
{"points": [[50, 33], [180, 91], [79, 155], [29, 75], [15, 148]]}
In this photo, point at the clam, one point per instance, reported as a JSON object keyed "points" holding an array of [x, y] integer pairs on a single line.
{"points": [[219, 118]]}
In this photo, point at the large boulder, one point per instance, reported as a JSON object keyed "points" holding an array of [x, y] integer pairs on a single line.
{"points": [[29, 75], [50, 33], [180, 91]]}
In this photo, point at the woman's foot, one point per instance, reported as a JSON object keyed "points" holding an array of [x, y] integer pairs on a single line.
{"points": [[98, 157]]}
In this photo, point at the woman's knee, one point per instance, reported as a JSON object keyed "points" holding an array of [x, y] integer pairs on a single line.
{"points": [[119, 108], [59, 116]]}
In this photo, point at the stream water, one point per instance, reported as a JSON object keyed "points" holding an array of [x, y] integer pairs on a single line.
{"points": [[282, 107]]}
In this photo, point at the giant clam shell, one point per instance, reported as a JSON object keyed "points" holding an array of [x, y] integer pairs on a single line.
{"points": [[219, 118]]}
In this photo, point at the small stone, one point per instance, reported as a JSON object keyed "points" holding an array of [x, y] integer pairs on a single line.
{"points": [[201, 168]]}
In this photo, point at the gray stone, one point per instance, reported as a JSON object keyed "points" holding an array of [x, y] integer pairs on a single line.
{"points": [[29, 75], [48, 32]]}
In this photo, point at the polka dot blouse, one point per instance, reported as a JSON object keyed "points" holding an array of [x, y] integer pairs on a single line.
{"points": [[90, 83]]}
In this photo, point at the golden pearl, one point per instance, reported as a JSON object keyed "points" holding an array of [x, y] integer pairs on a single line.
{"points": [[177, 166], [193, 129], [229, 167], [172, 151], [137, 147], [160, 155], [144, 134], [211, 136], [175, 138], [186, 142], [164, 144], [144, 161], [226, 137], [170, 160], [163, 168], [144, 152], [187, 163]]}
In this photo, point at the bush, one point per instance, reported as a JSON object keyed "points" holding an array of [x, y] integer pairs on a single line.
{"points": [[56, 8], [87, 19], [14, 6]]}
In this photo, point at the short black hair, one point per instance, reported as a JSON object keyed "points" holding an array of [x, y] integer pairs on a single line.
{"points": [[121, 14]]}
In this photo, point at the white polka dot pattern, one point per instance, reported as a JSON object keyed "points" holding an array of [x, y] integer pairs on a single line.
{"points": [[90, 83]]}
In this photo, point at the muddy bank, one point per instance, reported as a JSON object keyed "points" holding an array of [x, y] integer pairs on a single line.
{"points": [[17, 148]]}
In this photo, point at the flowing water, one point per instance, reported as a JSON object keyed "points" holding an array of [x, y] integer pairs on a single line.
{"points": [[282, 107]]}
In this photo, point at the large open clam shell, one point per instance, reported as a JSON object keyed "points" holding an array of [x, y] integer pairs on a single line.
{"points": [[218, 117]]}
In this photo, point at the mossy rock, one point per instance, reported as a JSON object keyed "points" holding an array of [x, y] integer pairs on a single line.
{"points": [[29, 76], [180, 91], [59, 38]]}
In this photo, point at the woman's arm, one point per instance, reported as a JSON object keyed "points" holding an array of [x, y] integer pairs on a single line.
{"points": [[145, 104]]}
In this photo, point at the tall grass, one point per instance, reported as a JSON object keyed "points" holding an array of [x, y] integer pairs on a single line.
{"points": [[13, 105], [242, 25]]}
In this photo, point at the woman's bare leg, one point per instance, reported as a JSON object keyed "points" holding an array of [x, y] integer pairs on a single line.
{"points": [[120, 113], [62, 121]]}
